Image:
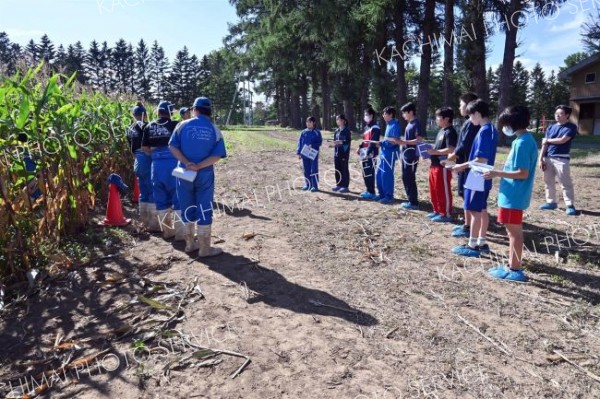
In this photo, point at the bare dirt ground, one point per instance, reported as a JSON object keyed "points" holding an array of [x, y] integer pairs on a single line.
{"points": [[328, 296]]}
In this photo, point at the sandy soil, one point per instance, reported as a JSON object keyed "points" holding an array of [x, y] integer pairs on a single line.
{"points": [[332, 297]]}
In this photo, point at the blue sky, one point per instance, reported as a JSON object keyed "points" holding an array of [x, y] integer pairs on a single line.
{"points": [[202, 24]]}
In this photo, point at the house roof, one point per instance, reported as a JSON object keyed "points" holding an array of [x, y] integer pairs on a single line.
{"points": [[579, 66], [586, 98]]}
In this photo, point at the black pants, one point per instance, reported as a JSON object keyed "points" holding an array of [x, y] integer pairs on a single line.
{"points": [[369, 174], [409, 178], [342, 172]]}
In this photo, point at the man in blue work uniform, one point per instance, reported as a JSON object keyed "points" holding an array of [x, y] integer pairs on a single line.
{"points": [[156, 141], [142, 165], [198, 144], [390, 151]]}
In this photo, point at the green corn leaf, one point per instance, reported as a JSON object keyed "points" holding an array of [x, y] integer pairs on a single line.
{"points": [[23, 113], [153, 303]]}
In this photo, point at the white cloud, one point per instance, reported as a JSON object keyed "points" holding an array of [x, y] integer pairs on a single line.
{"points": [[573, 25]]}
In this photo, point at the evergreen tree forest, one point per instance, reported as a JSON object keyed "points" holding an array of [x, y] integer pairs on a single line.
{"points": [[326, 57]]}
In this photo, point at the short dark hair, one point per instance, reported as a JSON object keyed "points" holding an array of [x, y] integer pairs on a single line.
{"points": [[409, 107], [390, 111], [468, 97], [445, 112], [342, 117], [165, 114], [516, 117], [311, 119], [371, 112], [204, 111], [478, 106], [568, 110]]}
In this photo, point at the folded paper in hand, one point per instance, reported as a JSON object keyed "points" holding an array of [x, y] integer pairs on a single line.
{"points": [[475, 181], [422, 148], [480, 167], [187, 175], [309, 152]]}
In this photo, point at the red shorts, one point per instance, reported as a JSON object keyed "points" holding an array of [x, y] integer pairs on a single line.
{"points": [[510, 216]]}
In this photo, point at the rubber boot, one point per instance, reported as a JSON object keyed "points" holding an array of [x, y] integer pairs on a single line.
{"points": [[191, 244], [204, 240], [180, 231], [165, 218], [153, 224]]}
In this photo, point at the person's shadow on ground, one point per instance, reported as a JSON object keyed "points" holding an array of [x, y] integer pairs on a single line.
{"points": [[275, 290]]}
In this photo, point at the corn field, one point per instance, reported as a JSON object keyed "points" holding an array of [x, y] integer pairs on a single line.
{"points": [[58, 144]]}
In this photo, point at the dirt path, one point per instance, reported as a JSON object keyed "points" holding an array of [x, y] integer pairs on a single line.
{"points": [[340, 298]]}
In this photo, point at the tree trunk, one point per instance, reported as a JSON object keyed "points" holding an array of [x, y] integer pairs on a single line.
{"points": [[294, 108], [304, 109], [475, 36], [401, 87], [366, 79], [315, 111], [279, 101], [285, 120], [510, 46], [326, 93], [506, 77], [426, 57], [449, 54], [349, 112]]}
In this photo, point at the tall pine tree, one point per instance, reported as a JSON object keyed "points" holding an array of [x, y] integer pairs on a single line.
{"points": [[158, 68], [539, 94], [142, 70]]}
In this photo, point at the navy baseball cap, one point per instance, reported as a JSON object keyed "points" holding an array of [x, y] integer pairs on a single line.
{"points": [[138, 110], [164, 106], [183, 110], [202, 102]]}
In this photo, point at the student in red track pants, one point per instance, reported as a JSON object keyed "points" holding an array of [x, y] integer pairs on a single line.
{"points": [[439, 177]]}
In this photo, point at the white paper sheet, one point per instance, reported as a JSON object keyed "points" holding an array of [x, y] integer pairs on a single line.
{"points": [[423, 147], [480, 167], [309, 152], [187, 175], [475, 181]]}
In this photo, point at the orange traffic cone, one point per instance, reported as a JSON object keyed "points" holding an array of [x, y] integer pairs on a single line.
{"points": [[136, 191], [114, 211]]}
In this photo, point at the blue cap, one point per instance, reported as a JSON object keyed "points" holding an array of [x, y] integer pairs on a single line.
{"points": [[138, 110], [164, 106], [183, 110], [202, 102]]}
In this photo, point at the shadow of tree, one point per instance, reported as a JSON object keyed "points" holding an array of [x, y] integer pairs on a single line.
{"points": [[273, 289]]}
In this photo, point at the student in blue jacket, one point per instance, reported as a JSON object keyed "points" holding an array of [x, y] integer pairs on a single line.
{"points": [[390, 152], [342, 138], [310, 137]]}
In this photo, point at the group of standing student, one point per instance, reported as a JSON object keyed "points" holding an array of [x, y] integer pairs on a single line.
{"points": [[179, 208], [454, 153]]}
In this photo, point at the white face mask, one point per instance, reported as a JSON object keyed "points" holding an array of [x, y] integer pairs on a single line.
{"points": [[368, 119], [507, 130]]}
